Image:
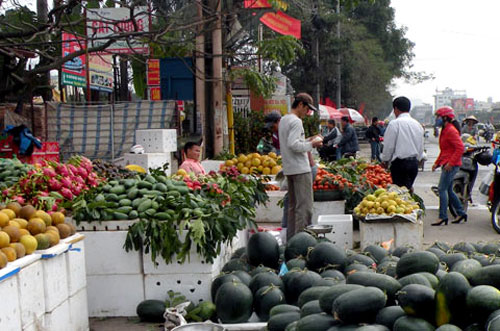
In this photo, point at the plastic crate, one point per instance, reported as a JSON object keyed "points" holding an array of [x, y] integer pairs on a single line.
{"points": [[341, 234], [157, 140]]}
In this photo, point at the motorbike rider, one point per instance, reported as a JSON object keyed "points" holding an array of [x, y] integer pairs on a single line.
{"points": [[469, 125], [450, 159]]}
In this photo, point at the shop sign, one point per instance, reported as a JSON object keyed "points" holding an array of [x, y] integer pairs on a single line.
{"points": [[106, 23], [153, 72], [101, 72], [155, 93], [73, 72]]}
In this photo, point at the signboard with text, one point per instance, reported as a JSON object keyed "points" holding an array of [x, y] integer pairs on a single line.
{"points": [[101, 72], [73, 72], [155, 93], [106, 23], [153, 72], [282, 23]]}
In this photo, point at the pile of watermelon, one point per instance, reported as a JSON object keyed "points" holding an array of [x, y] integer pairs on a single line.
{"points": [[328, 288]]}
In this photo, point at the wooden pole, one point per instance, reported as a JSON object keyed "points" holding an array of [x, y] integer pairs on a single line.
{"points": [[217, 82], [200, 75]]}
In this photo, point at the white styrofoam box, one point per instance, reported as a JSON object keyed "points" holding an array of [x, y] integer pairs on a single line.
{"points": [[195, 287], [75, 262], [58, 319], [157, 140], [150, 160], [10, 312], [104, 225], [194, 265], [114, 295], [211, 165], [327, 208], [271, 212], [78, 310], [25, 261], [104, 254], [404, 233], [241, 240], [37, 325], [341, 234], [55, 281], [31, 293]]}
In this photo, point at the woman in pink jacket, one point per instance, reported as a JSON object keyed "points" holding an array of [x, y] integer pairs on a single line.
{"points": [[450, 160]]}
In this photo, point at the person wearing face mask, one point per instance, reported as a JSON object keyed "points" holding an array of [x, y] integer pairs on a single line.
{"points": [[449, 159]]}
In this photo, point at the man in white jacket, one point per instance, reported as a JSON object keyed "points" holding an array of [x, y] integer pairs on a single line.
{"points": [[295, 162]]}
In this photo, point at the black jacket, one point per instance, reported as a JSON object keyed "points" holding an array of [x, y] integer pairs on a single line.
{"points": [[373, 132]]}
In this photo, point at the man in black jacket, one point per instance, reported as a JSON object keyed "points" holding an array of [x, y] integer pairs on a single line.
{"points": [[373, 136], [328, 152], [349, 143]]}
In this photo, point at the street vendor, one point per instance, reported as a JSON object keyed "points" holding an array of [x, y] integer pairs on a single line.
{"points": [[191, 164], [270, 142]]}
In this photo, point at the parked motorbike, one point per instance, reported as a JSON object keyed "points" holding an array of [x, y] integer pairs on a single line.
{"points": [[464, 180], [494, 190]]}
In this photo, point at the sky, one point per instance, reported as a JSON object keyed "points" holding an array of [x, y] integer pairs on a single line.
{"points": [[455, 40]]}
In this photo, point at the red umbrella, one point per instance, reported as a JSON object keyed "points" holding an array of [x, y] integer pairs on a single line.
{"points": [[353, 114], [328, 112]]}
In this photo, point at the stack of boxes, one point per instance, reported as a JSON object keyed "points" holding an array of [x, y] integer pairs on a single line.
{"points": [[158, 147]]}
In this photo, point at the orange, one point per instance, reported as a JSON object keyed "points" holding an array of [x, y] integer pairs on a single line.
{"points": [[10, 253], [9, 212], [4, 219], [57, 218], [3, 260], [4, 239], [22, 222], [29, 242], [19, 248], [15, 224], [53, 237], [13, 233], [23, 232], [36, 226], [44, 216]]}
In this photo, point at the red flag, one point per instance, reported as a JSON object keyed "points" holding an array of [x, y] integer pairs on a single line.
{"points": [[282, 23]]}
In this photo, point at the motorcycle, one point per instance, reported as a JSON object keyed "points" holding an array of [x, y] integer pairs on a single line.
{"points": [[464, 180], [493, 190]]}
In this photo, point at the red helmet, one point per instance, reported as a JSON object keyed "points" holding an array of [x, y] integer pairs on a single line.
{"points": [[445, 111]]}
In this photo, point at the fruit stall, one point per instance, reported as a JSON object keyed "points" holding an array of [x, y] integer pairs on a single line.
{"points": [[152, 242]]}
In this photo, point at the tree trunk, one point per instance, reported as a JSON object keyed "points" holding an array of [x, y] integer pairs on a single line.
{"points": [[123, 79]]}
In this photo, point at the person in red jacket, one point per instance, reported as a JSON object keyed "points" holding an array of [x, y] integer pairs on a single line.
{"points": [[449, 159]]}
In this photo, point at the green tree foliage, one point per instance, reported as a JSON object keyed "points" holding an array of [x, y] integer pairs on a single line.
{"points": [[373, 51]]}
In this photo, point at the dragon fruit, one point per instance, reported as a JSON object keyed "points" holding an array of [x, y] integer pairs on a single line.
{"points": [[66, 193], [62, 170], [49, 172], [54, 184]]}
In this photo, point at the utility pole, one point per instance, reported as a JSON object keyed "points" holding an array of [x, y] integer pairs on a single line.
{"points": [[315, 14], [200, 74], [217, 88], [338, 95]]}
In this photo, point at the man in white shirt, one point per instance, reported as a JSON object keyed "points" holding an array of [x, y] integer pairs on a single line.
{"points": [[403, 144], [296, 164]]}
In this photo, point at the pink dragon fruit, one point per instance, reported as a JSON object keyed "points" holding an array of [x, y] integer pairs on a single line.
{"points": [[19, 199], [62, 170], [66, 182], [82, 172], [66, 193], [43, 193], [54, 184], [49, 172], [72, 169], [79, 180]]}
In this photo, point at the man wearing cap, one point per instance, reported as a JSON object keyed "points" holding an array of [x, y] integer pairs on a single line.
{"points": [[296, 163], [403, 144]]}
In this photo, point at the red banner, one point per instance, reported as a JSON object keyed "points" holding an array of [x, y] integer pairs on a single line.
{"points": [[282, 23], [155, 93], [153, 72], [257, 4]]}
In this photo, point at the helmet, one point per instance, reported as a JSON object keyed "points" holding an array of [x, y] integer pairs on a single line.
{"points": [[484, 158], [137, 149], [471, 118], [445, 111]]}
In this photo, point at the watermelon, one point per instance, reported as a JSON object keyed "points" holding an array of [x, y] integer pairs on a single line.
{"points": [[221, 279], [265, 279], [388, 315], [326, 254], [265, 299], [359, 306], [234, 302], [151, 311], [417, 262], [481, 301], [417, 300], [299, 245], [451, 294], [263, 249]]}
